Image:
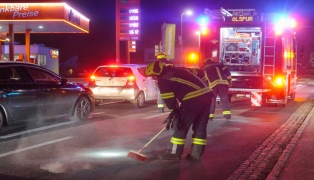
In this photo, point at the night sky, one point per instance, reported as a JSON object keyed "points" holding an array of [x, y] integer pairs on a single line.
{"points": [[98, 47]]}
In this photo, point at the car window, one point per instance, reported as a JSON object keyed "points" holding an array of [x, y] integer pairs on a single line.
{"points": [[142, 71], [10, 75], [41, 76], [113, 72]]}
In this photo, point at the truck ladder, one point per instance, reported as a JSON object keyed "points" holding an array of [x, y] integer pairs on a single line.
{"points": [[269, 48]]}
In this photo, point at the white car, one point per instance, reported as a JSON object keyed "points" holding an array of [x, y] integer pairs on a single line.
{"points": [[123, 82]]}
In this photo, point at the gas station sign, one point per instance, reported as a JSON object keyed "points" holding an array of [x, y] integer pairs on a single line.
{"points": [[128, 20], [54, 53]]}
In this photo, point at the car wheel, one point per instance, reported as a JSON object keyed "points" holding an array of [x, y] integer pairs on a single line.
{"points": [[139, 101], [1, 120], [82, 109]]}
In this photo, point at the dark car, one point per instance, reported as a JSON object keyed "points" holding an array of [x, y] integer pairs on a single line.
{"points": [[29, 92]]}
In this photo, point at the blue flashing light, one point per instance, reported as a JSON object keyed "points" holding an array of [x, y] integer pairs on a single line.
{"points": [[284, 22], [203, 21]]}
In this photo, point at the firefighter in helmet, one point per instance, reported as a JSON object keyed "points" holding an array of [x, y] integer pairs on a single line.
{"points": [[185, 95], [198, 73], [162, 57], [219, 80]]}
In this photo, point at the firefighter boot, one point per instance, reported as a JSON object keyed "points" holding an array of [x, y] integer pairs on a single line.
{"points": [[197, 152], [161, 108], [172, 153], [227, 114]]}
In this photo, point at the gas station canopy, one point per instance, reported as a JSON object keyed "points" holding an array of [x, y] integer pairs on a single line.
{"points": [[42, 18], [38, 18]]}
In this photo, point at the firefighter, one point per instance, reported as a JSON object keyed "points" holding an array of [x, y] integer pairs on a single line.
{"points": [[198, 73], [219, 80], [187, 98], [162, 57]]}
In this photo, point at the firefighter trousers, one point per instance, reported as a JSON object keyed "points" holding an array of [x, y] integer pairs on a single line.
{"points": [[193, 113], [160, 102], [220, 90]]}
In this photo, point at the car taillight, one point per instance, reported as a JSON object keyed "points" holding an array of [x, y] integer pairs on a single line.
{"points": [[92, 80], [131, 80]]}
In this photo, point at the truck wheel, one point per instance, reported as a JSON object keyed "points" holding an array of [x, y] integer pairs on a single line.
{"points": [[139, 101], [82, 109], [281, 105], [291, 96]]}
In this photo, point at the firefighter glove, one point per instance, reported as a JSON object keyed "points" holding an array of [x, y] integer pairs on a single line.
{"points": [[229, 83], [169, 123], [174, 120]]}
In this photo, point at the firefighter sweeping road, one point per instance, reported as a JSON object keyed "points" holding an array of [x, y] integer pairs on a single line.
{"points": [[257, 143]]}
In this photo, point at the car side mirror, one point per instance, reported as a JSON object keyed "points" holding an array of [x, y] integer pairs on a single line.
{"points": [[64, 81]]}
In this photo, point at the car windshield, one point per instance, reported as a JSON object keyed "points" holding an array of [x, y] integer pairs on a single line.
{"points": [[113, 72]]}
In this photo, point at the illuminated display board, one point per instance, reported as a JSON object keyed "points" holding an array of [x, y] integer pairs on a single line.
{"points": [[128, 20], [247, 15], [240, 19]]}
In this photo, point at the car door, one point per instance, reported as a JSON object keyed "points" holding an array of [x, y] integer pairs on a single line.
{"points": [[18, 95], [56, 99]]}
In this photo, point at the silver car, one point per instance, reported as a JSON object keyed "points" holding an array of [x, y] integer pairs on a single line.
{"points": [[123, 82]]}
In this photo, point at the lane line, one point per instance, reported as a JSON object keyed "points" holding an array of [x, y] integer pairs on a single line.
{"points": [[35, 146], [115, 102], [149, 117], [35, 130], [98, 113]]}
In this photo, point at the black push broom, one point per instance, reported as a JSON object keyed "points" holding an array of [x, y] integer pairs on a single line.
{"points": [[141, 157]]}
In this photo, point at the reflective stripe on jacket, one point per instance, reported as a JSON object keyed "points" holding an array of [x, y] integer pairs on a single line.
{"points": [[177, 84], [217, 74]]}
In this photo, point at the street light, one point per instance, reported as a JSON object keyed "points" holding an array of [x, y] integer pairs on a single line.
{"points": [[181, 39]]}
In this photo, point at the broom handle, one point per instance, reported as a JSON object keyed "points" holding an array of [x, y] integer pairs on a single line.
{"points": [[152, 139]]}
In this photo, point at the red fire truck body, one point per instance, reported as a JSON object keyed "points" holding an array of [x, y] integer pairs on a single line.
{"points": [[260, 54]]}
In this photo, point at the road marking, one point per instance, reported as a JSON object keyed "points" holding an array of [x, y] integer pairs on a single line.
{"points": [[154, 116], [98, 113], [35, 130], [114, 102], [35, 146]]}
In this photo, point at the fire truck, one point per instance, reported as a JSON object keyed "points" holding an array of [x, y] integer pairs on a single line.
{"points": [[260, 50]]}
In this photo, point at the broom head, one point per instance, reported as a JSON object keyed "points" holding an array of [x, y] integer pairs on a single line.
{"points": [[137, 156]]}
